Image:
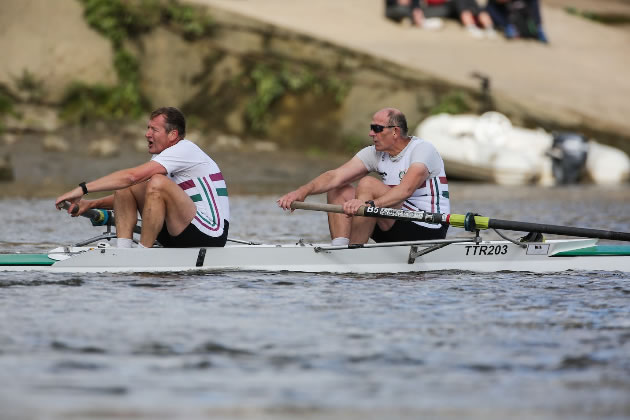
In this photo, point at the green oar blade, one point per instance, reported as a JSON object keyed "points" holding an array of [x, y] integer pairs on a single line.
{"points": [[26, 259]]}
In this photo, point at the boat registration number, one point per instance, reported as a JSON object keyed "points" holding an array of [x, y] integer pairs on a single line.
{"points": [[486, 249]]}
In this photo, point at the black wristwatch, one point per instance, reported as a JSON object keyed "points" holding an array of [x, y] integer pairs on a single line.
{"points": [[83, 187], [370, 203]]}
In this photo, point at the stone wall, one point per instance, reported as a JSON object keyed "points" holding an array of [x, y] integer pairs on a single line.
{"points": [[51, 41], [210, 78], [53, 44]]}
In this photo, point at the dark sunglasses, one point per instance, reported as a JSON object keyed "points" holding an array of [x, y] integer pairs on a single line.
{"points": [[377, 128]]}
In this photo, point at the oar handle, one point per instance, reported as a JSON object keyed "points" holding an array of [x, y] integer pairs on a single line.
{"points": [[98, 217], [382, 212]]}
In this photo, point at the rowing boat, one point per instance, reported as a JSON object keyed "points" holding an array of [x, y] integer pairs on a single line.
{"points": [[455, 254], [468, 254]]}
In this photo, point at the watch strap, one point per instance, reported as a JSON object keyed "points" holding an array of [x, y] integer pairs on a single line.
{"points": [[83, 187]]}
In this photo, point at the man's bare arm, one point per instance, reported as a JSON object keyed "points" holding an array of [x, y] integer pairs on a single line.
{"points": [[114, 181], [413, 179], [346, 173]]}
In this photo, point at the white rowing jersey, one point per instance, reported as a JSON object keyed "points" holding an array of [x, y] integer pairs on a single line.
{"points": [[432, 196], [200, 177]]}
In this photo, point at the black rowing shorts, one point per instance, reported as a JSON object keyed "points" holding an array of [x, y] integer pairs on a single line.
{"points": [[403, 230], [191, 237]]}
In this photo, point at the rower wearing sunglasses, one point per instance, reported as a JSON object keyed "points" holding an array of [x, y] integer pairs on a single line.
{"points": [[411, 176]]}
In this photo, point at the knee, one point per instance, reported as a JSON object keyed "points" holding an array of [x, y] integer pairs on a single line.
{"points": [[340, 195], [122, 194], [367, 184], [157, 184]]}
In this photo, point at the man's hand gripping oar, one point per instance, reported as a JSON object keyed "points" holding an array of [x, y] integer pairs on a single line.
{"points": [[72, 201], [98, 217], [74, 208]]}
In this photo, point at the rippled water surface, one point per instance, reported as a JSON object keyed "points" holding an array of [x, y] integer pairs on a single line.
{"points": [[446, 345]]}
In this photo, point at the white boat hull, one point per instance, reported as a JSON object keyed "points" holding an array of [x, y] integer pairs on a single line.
{"points": [[484, 257], [489, 148]]}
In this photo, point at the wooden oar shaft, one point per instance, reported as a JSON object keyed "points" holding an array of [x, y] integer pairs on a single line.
{"points": [[329, 208], [459, 220]]}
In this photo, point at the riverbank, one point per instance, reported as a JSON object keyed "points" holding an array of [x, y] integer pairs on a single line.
{"points": [[40, 174], [578, 79], [389, 64]]}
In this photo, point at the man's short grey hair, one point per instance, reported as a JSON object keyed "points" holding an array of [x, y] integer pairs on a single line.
{"points": [[398, 119]]}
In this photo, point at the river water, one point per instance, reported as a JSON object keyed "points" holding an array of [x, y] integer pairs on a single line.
{"points": [[444, 345]]}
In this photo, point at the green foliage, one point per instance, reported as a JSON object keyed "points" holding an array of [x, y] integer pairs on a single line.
{"points": [[339, 87], [189, 20], [272, 82], [120, 20], [127, 67], [6, 104], [456, 102], [83, 103], [582, 13], [269, 86], [605, 18], [28, 84], [6, 101]]}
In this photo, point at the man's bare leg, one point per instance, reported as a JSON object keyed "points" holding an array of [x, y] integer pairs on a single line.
{"points": [[164, 202], [127, 203], [369, 188], [339, 224]]}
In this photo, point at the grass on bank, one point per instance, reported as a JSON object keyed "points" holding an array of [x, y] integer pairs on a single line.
{"points": [[119, 21]]}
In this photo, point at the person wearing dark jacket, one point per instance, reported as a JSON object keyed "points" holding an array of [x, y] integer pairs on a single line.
{"points": [[518, 18]]}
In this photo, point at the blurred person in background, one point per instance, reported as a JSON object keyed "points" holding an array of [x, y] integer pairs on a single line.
{"points": [[474, 19], [428, 13], [414, 10], [518, 18]]}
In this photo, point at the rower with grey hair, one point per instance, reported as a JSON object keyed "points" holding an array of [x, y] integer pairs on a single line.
{"points": [[412, 177]]}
